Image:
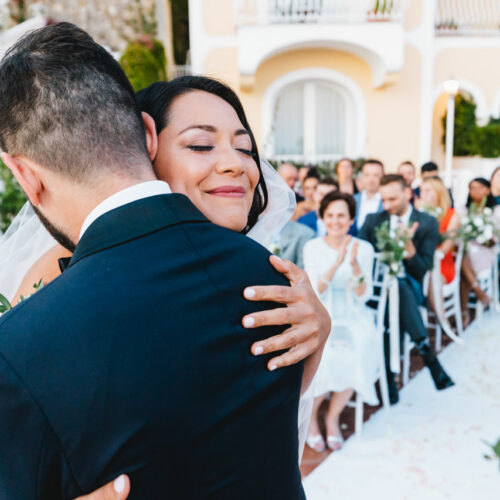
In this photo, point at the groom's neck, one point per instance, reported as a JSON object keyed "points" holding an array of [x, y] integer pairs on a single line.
{"points": [[77, 202]]}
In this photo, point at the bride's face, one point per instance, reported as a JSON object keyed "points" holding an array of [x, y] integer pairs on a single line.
{"points": [[205, 153]]}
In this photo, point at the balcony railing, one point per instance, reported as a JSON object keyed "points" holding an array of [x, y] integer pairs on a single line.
{"points": [[317, 11], [468, 17]]}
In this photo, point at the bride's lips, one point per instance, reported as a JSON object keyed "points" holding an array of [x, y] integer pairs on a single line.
{"points": [[228, 191]]}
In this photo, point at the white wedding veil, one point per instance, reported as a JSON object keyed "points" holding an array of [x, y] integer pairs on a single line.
{"points": [[26, 239]]}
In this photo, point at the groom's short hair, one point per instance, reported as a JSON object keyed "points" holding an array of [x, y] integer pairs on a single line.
{"points": [[66, 104]]}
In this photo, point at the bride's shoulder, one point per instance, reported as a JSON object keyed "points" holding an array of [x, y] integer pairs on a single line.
{"points": [[45, 269]]}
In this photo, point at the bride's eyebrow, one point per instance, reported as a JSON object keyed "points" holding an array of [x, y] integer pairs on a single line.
{"points": [[213, 130]]}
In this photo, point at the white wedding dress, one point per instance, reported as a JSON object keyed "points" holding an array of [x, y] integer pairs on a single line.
{"points": [[26, 240]]}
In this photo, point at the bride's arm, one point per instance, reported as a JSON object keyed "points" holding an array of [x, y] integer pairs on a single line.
{"points": [[309, 321], [46, 268]]}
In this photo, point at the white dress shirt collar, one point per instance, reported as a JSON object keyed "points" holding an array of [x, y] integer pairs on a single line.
{"points": [[402, 219], [123, 197]]}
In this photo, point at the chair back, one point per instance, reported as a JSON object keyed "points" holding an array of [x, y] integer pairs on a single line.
{"points": [[378, 299]]}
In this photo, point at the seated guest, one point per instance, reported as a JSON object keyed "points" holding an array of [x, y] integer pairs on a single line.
{"points": [[435, 200], [325, 186], [434, 197], [290, 174], [407, 171], [478, 257], [340, 269], [429, 169], [396, 196], [495, 185], [345, 176], [291, 241], [303, 173], [304, 207], [369, 201]]}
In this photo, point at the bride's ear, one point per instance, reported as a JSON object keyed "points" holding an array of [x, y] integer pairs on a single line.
{"points": [[151, 136], [27, 175]]}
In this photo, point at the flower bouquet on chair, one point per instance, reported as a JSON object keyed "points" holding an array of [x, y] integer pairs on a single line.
{"points": [[391, 244]]}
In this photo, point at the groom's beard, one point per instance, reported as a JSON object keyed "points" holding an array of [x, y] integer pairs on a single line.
{"points": [[57, 234]]}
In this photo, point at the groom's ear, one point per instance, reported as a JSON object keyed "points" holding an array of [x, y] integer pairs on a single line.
{"points": [[26, 175], [151, 136]]}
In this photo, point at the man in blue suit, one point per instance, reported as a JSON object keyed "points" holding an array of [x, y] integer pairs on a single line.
{"points": [[134, 360]]}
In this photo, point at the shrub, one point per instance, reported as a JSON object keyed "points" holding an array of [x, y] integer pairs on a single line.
{"points": [[12, 197], [144, 63], [469, 138]]}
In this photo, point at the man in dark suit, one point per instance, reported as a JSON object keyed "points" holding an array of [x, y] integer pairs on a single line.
{"points": [[134, 360], [396, 196]]}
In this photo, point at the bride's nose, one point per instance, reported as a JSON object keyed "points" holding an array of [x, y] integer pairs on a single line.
{"points": [[230, 162]]}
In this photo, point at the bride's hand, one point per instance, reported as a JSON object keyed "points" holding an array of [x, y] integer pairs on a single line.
{"points": [[309, 321], [114, 490]]}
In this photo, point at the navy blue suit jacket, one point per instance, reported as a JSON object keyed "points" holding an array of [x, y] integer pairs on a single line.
{"points": [[134, 361]]}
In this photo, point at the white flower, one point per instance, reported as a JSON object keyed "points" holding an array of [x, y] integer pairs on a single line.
{"points": [[401, 244], [405, 254], [488, 233], [395, 267], [478, 221], [392, 233], [468, 228], [487, 211]]}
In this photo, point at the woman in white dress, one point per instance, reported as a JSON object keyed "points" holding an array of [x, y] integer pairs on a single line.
{"points": [[340, 269]]}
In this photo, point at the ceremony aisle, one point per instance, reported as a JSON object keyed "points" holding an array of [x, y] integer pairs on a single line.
{"points": [[432, 444]]}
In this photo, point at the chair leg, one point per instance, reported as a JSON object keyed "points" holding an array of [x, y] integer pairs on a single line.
{"points": [[458, 316], [438, 337], [406, 361], [358, 425]]}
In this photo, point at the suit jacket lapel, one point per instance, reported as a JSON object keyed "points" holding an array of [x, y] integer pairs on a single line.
{"points": [[134, 220]]}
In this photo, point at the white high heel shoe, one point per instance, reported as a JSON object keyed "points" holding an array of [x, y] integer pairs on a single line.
{"points": [[316, 442]]}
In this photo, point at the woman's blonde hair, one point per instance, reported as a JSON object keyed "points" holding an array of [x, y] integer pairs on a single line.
{"points": [[444, 200]]}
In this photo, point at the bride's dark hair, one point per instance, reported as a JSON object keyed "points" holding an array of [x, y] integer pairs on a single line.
{"points": [[158, 97]]}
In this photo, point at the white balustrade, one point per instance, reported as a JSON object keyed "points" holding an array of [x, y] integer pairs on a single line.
{"points": [[317, 11], [468, 17]]}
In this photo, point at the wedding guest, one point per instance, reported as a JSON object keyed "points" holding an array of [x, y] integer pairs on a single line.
{"points": [[429, 169], [345, 176], [340, 269], [407, 171], [303, 173], [478, 257], [290, 174], [369, 201], [435, 200], [291, 241], [311, 219], [495, 185], [304, 207], [424, 232]]}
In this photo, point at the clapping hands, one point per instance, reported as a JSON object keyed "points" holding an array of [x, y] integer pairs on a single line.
{"points": [[409, 246]]}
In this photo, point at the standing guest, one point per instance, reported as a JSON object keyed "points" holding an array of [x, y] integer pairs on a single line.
{"points": [[290, 174], [340, 269], [291, 241], [325, 186], [396, 196], [495, 185], [478, 257], [369, 201], [407, 171], [304, 207], [345, 175]]}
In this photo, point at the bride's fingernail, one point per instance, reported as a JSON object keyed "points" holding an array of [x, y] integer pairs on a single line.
{"points": [[272, 368], [119, 484], [249, 293], [248, 322], [258, 350]]}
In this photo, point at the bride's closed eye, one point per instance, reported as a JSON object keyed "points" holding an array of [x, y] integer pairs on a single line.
{"points": [[194, 147]]}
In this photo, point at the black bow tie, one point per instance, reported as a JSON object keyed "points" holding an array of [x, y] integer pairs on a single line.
{"points": [[64, 263]]}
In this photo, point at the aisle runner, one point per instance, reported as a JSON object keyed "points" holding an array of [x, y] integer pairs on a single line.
{"points": [[430, 446]]}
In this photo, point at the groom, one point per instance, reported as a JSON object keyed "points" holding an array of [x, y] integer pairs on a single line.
{"points": [[134, 360]]}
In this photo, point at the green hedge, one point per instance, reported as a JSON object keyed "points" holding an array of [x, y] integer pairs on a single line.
{"points": [[144, 63], [471, 139], [12, 197]]}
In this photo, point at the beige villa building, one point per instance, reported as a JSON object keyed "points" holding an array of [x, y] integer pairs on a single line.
{"points": [[321, 79]]}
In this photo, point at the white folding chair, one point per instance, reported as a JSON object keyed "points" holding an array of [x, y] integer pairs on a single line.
{"points": [[378, 301], [488, 282], [447, 298]]}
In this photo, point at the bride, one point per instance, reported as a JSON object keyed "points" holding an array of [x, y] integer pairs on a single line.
{"points": [[202, 146]]}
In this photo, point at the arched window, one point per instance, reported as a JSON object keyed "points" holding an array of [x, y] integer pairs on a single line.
{"points": [[310, 122]]}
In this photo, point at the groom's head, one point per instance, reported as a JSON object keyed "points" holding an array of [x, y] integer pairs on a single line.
{"points": [[70, 127]]}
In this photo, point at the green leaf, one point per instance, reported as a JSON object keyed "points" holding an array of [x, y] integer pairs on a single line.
{"points": [[496, 448], [5, 302]]}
